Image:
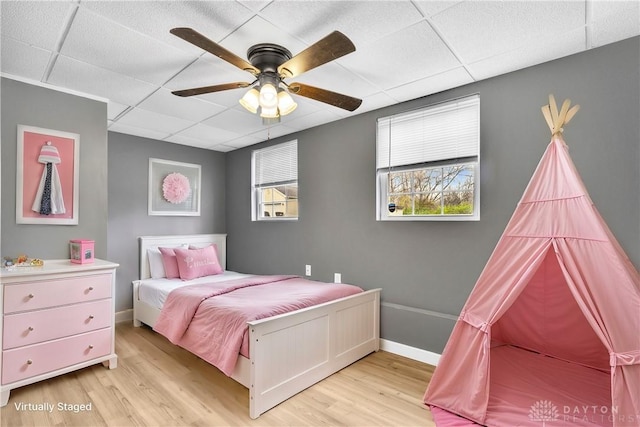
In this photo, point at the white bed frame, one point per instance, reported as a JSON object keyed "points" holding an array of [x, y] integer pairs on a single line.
{"points": [[326, 337]]}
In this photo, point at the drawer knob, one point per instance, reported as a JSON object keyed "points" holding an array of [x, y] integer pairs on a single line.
{"points": [[91, 316], [31, 296], [90, 288], [29, 361], [31, 328], [90, 346]]}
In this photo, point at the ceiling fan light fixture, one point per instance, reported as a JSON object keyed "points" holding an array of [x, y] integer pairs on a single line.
{"points": [[269, 112], [286, 104], [251, 100], [270, 64], [268, 96]]}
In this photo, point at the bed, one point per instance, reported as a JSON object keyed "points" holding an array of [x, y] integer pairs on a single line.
{"points": [[327, 337]]}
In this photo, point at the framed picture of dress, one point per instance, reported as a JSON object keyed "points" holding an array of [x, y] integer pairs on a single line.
{"points": [[47, 176], [174, 188]]}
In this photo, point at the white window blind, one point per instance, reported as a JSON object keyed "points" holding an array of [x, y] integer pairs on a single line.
{"points": [[450, 130], [277, 164]]}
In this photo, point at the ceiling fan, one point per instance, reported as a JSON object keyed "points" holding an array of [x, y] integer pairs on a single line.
{"points": [[271, 64]]}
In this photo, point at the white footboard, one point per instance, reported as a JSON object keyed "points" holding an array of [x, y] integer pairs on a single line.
{"points": [[290, 353]]}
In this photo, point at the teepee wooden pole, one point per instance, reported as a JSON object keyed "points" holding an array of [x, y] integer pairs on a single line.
{"points": [[546, 112], [572, 112], [557, 119]]}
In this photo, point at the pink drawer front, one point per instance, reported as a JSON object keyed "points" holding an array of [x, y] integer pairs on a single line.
{"points": [[43, 325], [29, 361], [51, 293]]}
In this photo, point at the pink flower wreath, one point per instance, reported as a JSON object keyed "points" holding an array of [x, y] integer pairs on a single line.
{"points": [[176, 188]]}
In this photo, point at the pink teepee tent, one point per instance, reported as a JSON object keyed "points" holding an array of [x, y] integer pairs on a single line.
{"points": [[551, 331]]}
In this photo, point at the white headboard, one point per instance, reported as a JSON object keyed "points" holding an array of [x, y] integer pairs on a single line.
{"points": [[198, 240]]}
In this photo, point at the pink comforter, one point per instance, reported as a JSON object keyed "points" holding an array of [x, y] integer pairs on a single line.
{"points": [[210, 320]]}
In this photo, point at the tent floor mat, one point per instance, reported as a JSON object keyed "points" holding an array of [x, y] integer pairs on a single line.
{"points": [[532, 390]]}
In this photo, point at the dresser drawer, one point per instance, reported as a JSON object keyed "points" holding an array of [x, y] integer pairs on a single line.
{"points": [[29, 361], [50, 293], [42, 325]]}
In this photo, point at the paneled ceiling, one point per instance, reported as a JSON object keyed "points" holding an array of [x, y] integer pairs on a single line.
{"points": [[122, 51]]}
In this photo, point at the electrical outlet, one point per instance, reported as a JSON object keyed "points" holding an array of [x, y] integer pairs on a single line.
{"points": [[337, 278], [307, 270]]}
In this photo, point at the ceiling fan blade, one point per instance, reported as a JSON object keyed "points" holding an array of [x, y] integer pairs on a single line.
{"points": [[333, 98], [329, 48], [195, 38], [209, 89]]}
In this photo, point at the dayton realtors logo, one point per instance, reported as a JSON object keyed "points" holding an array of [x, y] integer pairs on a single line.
{"points": [[543, 411]]}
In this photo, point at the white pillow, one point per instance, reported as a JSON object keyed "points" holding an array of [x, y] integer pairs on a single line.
{"points": [[156, 266], [155, 263]]}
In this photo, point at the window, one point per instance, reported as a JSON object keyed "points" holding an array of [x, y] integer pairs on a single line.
{"points": [[428, 163], [275, 182]]}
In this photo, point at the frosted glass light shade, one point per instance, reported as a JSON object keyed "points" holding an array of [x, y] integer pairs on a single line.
{"points": [[285, 103], [251, 100], [269, 112], [268, 96]]}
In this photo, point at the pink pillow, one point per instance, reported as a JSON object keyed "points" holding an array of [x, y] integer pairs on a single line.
{"points": [[170, 263], [193, 263]]}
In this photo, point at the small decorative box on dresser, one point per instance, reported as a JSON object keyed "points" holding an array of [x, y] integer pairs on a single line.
{"points": [[55, 319]]}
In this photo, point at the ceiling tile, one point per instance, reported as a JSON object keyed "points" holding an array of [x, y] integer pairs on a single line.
{"points": [[213, 19], [480, 29], [255, 5], [189, 108], [258, 30], [20, 59], [613, 21], [275, 131], [114, 109], [211, 71], [336, 78], [88, 78], [430, 7], [243, 141], [210, 134], [223, 148], [227, 98], [133, 130], [232, 119], [37, 23], [438, 83], [185, 140], [408, 55], [363, 22], [307, 121], [150, 120], [98, 41], [375, 101], [545, 50]]}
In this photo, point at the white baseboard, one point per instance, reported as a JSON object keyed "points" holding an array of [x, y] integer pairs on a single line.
{"points": [[124, 316], [418, 354]]}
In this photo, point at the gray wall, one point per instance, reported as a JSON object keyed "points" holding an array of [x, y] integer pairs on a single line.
{"points": [[427, 269], [113, 184], [26, 104], [128, 211]]}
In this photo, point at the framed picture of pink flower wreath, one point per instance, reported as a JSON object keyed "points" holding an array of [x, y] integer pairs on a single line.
{"points": [[174, 188]]}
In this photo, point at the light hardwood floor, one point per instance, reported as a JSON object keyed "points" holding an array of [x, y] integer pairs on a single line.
{"points": [[159, 384]]}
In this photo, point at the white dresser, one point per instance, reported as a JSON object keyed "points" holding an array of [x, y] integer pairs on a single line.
{"points": [[55, 319]]}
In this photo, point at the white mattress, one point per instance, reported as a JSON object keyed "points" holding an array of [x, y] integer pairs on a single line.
{"points": [[154, 291]]}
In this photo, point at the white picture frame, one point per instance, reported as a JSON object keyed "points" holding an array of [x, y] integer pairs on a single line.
{"points": [[163, 200]]}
